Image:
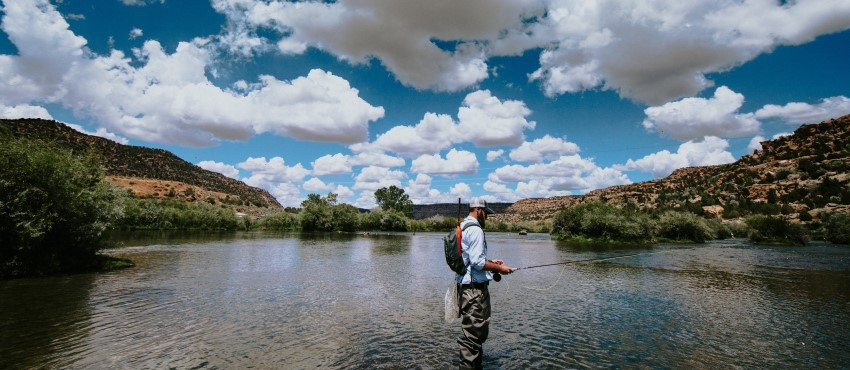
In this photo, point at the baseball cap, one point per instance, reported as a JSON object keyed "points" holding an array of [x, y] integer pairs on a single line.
{"points": [[480, 203]]}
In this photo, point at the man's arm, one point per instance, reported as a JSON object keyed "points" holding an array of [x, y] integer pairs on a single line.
{"points": [[498, 266]]}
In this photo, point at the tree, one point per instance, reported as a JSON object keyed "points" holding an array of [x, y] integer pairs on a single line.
{"points": [[54, 208], [393, 198]]}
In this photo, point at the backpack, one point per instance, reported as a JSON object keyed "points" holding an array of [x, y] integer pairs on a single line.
{"points": [[454, 250]]}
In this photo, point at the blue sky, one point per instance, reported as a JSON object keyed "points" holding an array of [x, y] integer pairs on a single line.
{"points": [[505, 99]]}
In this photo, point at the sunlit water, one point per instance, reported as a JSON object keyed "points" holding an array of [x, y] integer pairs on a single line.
{"points": [[295, 301]]}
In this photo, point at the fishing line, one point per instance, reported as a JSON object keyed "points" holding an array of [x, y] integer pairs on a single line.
{"points": [[566, 263]]}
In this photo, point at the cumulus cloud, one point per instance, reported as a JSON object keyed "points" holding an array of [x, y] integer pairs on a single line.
{"points": [[135, 33], [222, 168], [710, 151], [483, 120], [695, 118], [658, 51], [282, 181], [168, 97], [547, 147], [562, 176], [338, 164], [24, 111], [400, 34], [493, 155], [461, 190], [456, 162], [274, 169], [372, 178], [799, 113], [652, 52]]}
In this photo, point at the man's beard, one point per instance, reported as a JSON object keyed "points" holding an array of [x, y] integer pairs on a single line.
{"points": [[481, 221]]}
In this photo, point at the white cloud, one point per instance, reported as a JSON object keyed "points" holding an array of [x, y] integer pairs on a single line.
{"points": [[493, 155], [559, 177], [222, 168], [339, 163], [336, 164], [316, 185], [431, 135], [658, 51], [547, 147], [372, 178], [400, 35], [486, 121], [798, 113], [168, 98], [24, 111], [695, 118], [135, 33], [461, 190], [366, 200], [287, 194], [456, 162], [710, 151], [483, 120], [273, 170], [141, 2]]}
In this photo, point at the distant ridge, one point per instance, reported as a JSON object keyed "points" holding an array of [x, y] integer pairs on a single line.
{"points": [[421, 211], [137, 162], [799, 176]]}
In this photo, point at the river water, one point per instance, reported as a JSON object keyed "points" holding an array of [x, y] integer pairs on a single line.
{"points": [[303, 301]]}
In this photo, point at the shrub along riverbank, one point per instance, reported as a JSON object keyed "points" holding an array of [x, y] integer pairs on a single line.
{"points": [[600, 223]]}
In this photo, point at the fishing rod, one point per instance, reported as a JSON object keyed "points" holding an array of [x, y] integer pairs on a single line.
{"points": [[498, 277]]}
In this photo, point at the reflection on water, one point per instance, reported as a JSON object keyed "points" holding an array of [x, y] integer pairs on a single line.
{"points": [[305, 300]]}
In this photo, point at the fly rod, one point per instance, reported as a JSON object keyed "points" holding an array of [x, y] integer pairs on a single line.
{"points": [[587, 260]]}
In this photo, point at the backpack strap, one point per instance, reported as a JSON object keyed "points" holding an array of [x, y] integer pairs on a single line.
{"points": [[460, 236]]}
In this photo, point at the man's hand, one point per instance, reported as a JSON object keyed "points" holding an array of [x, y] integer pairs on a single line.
{"points": [[505, 269]]}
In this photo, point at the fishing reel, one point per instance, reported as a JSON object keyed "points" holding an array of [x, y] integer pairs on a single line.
{"points": [[497, 277]]}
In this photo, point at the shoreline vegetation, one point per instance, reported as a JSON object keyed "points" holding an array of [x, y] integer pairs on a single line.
{"points": [[56, 206]]}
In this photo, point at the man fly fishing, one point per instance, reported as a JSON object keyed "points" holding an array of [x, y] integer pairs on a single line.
{"points": [[474, 297]]}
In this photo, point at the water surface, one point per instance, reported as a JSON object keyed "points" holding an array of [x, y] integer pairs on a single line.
{"points": [[296, 301]]}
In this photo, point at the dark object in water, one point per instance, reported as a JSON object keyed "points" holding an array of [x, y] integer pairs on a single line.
{"points": [[523, 232]]}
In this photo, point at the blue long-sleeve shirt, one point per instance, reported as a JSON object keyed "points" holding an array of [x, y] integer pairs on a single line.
{"points": [[474, 253]]}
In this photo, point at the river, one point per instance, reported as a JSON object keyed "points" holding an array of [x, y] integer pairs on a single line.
{"points": [[257, 300]]}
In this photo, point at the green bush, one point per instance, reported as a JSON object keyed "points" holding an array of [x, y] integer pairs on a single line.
{"points": [[346, 217], [683, 226], [280, 221], [434, 223], [773, 229], [54, 208], [383, 221], [596, 220], [837, 228], [168, 214]]}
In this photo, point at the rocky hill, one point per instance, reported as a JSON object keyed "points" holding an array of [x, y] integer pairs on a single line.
{"points": [[800, 176], [145, 171]]}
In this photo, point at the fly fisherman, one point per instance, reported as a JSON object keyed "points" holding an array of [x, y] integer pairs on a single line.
{"points": [[472, 287]]}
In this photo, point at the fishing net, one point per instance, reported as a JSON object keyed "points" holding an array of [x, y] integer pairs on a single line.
{"points": [[452, 306]]}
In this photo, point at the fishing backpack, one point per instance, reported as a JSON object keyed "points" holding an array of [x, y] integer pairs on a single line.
{"points": [[454, 250]]}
